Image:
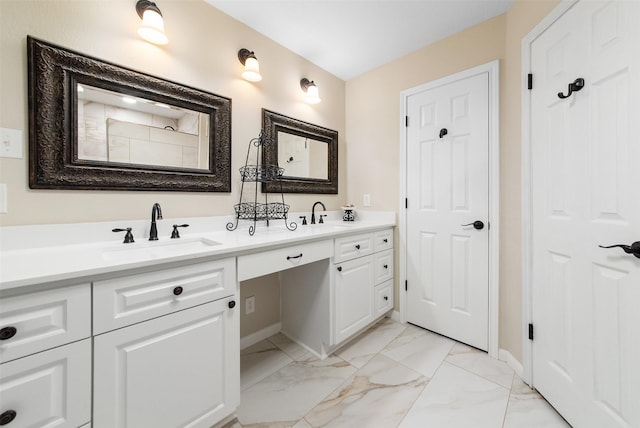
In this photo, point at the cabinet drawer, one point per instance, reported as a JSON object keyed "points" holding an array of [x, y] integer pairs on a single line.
{"points": [[383, 240], [383, 298], [266, 262], [44, 319], [384, 266], [51, 388], [123, 301], [350, 247]]}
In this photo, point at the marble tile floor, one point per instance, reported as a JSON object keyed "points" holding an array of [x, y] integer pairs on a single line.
{"points": [[392, 375]]}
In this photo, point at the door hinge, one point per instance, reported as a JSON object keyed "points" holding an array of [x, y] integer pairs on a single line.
{"points": [[406, 121], [406, 203], [406, 285], [530, 81], [530, 331]]}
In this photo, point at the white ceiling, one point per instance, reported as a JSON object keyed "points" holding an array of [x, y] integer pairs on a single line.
{"points": [[350, 37]]}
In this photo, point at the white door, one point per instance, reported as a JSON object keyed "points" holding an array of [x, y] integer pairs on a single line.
{"points": [[448, 190], [585, 192]]}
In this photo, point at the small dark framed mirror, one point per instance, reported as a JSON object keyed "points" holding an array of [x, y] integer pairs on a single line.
{"points": [[94, 125], [307, 152]]}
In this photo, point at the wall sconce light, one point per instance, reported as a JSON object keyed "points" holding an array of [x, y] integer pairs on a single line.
{"points": [[251, 66], [152, 28], [311, 90]]}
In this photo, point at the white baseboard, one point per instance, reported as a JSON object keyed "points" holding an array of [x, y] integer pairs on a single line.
{"points": [[506, 356], [259, 335], [395, 315]]}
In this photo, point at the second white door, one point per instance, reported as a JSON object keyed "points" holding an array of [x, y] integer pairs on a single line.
{"points": [[448, 207]]}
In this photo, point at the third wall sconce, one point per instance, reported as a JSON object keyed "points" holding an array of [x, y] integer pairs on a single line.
{"points": [[251, 66], [311, 90], [152, 27]]}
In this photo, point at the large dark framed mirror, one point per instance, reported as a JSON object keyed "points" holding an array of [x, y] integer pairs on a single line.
{"points": [[307, 152], [94, 125]]}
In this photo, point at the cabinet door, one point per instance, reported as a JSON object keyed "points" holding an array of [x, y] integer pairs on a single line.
{"points": [[51, 388], [353, 296], [179, 370]]}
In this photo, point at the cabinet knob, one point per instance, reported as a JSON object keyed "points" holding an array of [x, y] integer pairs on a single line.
{"points": [[339, 268], [386, 297], [385, 240], [232, 304], [357, 246], [8, 333], [178, 291], [386, 266], [7, 417]]}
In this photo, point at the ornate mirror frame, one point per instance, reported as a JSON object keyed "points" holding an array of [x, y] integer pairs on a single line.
{"points": [[54, 73], [272, 123]]}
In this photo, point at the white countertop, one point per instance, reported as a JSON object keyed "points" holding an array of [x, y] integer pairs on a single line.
{"points": [[33, 255]]}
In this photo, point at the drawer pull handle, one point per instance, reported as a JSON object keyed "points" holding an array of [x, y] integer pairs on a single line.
{"points": [[7, 417], [357, 246], [294, 257], [178, 291], [7, 333], [339, 268], [386, 297], [386, 266], [385, 240], [231, 304]]}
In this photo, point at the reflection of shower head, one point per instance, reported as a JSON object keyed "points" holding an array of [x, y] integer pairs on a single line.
{"points": [[170, 127]]}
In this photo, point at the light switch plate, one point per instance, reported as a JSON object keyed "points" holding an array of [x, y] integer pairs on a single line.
{"points": [[11, 143], [366, 200], [3, 198]]}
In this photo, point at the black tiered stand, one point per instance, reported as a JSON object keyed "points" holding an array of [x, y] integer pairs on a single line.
{"points": [[259, 173]]}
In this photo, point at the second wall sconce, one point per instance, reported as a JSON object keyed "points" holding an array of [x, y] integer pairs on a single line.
{"points": [[152, 28], [251, 66], [308, 86]]}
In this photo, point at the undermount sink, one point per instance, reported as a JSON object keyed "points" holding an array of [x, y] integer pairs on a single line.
{"points": [[156, 249]]}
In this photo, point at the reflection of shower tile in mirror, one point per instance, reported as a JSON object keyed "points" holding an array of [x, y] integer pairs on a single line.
{"points": [[118, 149], [189, 123], [151, 153], [190, 157], [162, 122], [126, 129]]}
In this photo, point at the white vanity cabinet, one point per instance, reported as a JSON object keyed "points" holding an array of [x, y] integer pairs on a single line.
{"points": [[327, 302], [45, 350], [363, 281], [175, 363]]}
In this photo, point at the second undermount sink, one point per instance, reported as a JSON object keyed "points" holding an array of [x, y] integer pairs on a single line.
{"points": [[157, 249]]}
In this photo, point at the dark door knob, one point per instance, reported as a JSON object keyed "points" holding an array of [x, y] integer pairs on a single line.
{"points": [[178, 291], [7, 417], [7, 333], [232, 304], [629, 249], [476, 225], [357, 246]]}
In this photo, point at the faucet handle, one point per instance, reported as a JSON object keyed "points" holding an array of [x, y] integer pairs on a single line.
{"points": [[304, 220], [128, 237], [175, 234], [321, 218]]}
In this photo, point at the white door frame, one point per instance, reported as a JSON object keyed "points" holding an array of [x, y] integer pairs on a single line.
{"points": [[493, 68], [527, 180]]}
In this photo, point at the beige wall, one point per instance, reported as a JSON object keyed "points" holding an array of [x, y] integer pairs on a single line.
{"points": [[373, 127], [202, 52]]}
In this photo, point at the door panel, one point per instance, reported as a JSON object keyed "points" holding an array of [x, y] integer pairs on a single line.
{"points": [[447, 187], [585, 149]]}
